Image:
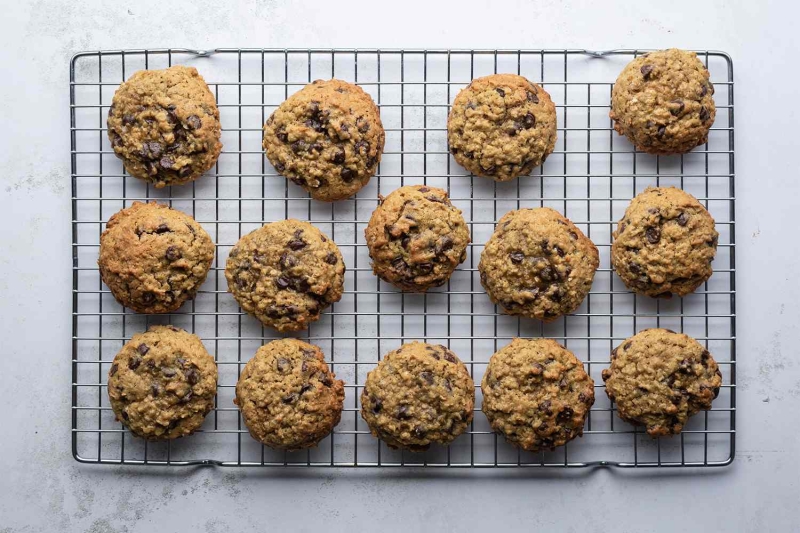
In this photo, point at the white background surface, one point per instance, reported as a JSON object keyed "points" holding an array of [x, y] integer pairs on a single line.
{"points": [[43, 489]]}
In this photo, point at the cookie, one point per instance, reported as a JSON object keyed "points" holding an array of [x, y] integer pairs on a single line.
{"points": [[665, 243], [164, 126], [289, 398], [501, 126], [153, 258], [327, 138], [417, 395], [538, 264], [416, 238], [285, 274], [162, 383], [659, 378], [536, 394], [663, 102]]}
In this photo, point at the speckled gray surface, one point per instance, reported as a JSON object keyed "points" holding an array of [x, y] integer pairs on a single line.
{"points": [[43, 489]]}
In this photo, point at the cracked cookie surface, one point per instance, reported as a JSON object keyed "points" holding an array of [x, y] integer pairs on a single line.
{"points": [[154, 258], [501, 126], [665, 243], [659, 378], [663, 102], [326, 138], [289, 398], [536, 394], [162, 383], [164, 126], [416, 238], [285, 274], [538, 264], [418, 394]]}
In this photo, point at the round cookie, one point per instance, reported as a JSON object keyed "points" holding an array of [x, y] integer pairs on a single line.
{"points": [[501, 126], [327, 138], [153, 257], [538, 264], [665, 243], [416, 238], [164, 126], [288, 396], [417, 395], [536, 394], [659, 378], [285, 273], [663, 102], [162, 383]]}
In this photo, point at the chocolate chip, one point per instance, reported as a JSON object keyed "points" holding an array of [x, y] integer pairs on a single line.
{"points": [[704, 114], [685, 366], [143, 349], [402, 412], [193, 122], [362, 124], [514, 128], [152, 150], [172, 254], [148, 297], [423, 189], [501, 92], [419, 432], [282, 136], [283, 364], [448, 356], [168, 371], [546, 406], [557, 249], [683, 218], [377, 405], [627, 345], [704, 356], [305, 388], [362, 147], [646, 70], [529, 121], [427, 377], [181, 361], [348, 174], [299, 284], [296, 244], [565, 415], [583, 398], [155, 388], [291, 398], [166, 162], [127, 120], [516, 257], [116, 140], [548, 273], [192, 376], [299, 146], [282, 283], [703, 90], [134, 362], [531, 97], [678, 107], [661, 131], [185, 171], [339, 157], [113, 369], [331, 259], [442, 246], [125, 415], [573, 235], [424, 268], [653, 234]]}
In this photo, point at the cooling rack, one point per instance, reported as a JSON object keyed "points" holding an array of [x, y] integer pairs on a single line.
{"points": [[591, 177]]}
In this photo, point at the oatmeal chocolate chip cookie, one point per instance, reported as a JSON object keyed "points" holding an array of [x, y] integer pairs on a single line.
{"points": [[536, 394], [327, 138], [162, 383], [501, 126], [164, 126], [538, 264], [665, 243], [417, 395], [662, 102], [154, 258], [659, 378], [285, 273], [416, 238], [288, 396]]}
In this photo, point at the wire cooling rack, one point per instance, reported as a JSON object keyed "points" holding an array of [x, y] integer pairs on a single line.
{"points": [[590, 178]]}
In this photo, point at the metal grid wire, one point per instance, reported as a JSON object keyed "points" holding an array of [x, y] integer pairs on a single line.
{"points": [[591, 177]]}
